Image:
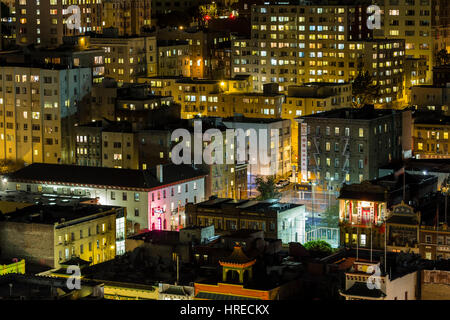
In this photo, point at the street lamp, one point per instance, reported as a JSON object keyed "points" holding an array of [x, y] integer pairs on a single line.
{"points": [[329, 191], [312, 197]]}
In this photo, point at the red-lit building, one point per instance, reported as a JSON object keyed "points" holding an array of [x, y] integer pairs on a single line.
{"points": [[365, 207]]}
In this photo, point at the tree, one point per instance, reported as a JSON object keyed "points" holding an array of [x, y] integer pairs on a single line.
{"points": [[330, 217], [442, 57], [267, 188], [364, 89], [7, 166], [318, 248]]}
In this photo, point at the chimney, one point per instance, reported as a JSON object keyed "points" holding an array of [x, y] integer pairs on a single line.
{"points": [[159, 173]]}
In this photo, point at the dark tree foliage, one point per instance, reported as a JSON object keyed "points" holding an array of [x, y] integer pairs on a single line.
{"points": [[267, 188], [364, 91], [318, 248], [442, 57]]}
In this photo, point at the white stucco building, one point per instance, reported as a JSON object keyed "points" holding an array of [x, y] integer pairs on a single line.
{"points": [[153, 198]]}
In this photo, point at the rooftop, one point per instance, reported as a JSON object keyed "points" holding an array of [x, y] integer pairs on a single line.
{"points": [[101, 176], [23, 198], [380, 189], [55, 214], [422, 165], [368, 112], [237, 257], [37, 65], [248, 205], [251, 120]]}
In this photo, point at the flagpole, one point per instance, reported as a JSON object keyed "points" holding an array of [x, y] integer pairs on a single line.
{"points": [[404, 184], [357, 243], [385, 247], [371, 242]]}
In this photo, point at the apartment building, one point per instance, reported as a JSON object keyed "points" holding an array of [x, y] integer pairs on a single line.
{"points": [[348, 146], [285, 221], [132, 102], [415, 73], [129, 17], [37, 105], [173, 58], [127, 57], [154, 198], [411, 20], [119, 149], [219, 98], [312, 98], [294, 44], [224, 179], [431, 137], [204, 46], [52, 234], [75, 51], [430, 98], [279, 164], [44, 22], [88, 145], [116, 145]]}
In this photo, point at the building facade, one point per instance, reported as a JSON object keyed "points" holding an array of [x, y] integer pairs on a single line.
{"points": [[152, 200], [348, 146], [38, 105]]}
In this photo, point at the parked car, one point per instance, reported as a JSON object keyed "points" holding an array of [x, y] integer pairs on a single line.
{"points": [[282, 183]]}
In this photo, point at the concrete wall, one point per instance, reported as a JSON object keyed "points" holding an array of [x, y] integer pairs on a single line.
{"points": [[30, 241], [397, 289]]}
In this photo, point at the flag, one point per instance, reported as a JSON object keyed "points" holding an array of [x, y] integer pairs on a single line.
{"points": [[400, 172]]}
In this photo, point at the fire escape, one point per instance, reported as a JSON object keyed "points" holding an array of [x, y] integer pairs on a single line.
{"points": [[317, 152], [346, 156]]}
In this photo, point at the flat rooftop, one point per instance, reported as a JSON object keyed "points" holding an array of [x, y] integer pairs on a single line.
{"points": [[102, 176], [51, 214], [15, 196], [429, 165], [365, 113], [252, 120], [248, 205]]}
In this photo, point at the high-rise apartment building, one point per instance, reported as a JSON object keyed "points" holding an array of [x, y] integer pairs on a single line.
{"points": [[37, 108], [44, 21], [411, 20], [349, 146], [129, 17], [219, 98], [294, 44], [312, 98], [127, 57]]}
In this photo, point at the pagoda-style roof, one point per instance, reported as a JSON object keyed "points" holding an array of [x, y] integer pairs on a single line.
{"points": [[237, 259]]}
